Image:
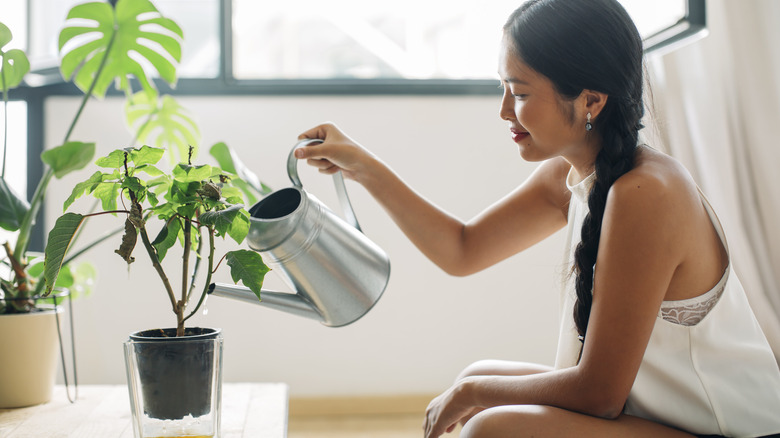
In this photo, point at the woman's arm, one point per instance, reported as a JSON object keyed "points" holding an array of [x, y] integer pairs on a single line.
{"points": [[532, 212], [637, 257]]}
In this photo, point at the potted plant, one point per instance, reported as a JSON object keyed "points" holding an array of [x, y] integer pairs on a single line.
{"points": [[192, 205], [96, 47]]}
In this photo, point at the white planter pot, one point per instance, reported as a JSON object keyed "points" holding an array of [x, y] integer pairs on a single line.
{"points": [[28, 363]]}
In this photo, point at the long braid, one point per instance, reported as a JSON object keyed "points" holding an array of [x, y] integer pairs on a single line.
{"points": [[615, 158], [557, 38]]}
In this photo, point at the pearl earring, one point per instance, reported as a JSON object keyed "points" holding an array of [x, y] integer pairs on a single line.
{"points": [[588, 125]]}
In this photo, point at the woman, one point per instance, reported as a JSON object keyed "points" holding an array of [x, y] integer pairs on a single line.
{"points": [[659, 340]]}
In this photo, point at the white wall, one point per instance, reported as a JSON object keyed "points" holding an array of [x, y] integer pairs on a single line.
{"points": [[427, 326]]}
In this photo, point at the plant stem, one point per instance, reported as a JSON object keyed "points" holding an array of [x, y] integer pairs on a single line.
{"points": [[186, 259], [196, 268], [5, 119], [15, 264], [208, 275], [25, 229], [184, 274], [156, 263]]}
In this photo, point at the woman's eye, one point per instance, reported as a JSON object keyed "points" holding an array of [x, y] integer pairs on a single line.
{"points": [[519, 96]]}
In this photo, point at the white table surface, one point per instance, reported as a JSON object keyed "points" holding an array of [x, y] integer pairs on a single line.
{"points": [[103, 411]]}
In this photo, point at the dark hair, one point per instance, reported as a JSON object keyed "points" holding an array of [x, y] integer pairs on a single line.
{"points": [[578, 45]]}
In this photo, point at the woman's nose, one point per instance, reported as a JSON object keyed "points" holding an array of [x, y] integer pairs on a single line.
{"points": [[507, 110]]}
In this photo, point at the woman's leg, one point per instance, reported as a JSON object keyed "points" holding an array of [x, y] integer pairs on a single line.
{"points": [[492, 367], [549, 422]]}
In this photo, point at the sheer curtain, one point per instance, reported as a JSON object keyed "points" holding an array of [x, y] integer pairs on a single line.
{"points": [[717, 105]]}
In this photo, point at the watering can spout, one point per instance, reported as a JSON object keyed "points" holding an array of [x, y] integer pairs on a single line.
{"points": [[286, 302]]}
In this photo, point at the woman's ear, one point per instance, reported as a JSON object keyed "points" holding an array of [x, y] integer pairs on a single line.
{"points": [[593, 102]]}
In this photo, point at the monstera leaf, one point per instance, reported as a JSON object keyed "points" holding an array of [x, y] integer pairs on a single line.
{"points": [[163, 123], [14, 64], [131, 29]]}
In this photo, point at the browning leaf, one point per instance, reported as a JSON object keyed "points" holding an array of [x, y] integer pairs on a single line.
{"points": [[128, 242], [210, 190]]}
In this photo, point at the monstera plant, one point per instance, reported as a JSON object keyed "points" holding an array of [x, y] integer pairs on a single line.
{"points": [[101, 44], [96, 47]]}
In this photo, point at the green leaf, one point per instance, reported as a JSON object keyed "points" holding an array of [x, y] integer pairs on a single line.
{"points": [[114, 160], [5, 35], [182, 193], [150, 170], [60, 238], [107, 192], [167, 238], [146, 155], [221, 220], [13, 63], [13, 67], [131, 28], [189, 173], [13, 207], [230, 192], [73, 155], [83, 187], [164, 211], [164, 123], [136, 185], [248, 267], [240, 227], [230, 162]]}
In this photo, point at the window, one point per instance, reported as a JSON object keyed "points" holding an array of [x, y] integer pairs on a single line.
{"points": [[408, 39], [199, 20], [404, 39]]}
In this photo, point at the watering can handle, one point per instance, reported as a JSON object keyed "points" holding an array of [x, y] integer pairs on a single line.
{"points": [[338, 180]]}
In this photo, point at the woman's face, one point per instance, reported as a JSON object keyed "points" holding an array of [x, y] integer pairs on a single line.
{"points": [[541, 122]]}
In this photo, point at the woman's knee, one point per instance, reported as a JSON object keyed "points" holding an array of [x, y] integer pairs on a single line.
{"points": [[493, 367], [479, 368], [503, 421]]}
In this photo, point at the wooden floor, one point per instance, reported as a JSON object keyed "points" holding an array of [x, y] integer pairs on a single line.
{"points": [[386, 417], [356, 426]]}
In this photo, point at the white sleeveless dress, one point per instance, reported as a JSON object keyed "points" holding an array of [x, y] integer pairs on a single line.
{"points": [[708, 368]]}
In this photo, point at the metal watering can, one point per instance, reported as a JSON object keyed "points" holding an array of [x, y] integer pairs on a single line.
{"points": [[338, 273]]}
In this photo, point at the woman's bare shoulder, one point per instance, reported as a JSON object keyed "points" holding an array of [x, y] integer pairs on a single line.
{"points": [[658, 196], [660, 175]]}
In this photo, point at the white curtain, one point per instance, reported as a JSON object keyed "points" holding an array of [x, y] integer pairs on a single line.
{"points": [[717, 105]]}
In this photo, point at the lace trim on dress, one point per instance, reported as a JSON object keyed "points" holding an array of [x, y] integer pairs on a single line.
{"points": [[691, 311]]}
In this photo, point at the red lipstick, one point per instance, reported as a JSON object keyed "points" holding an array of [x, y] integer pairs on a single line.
{"points": [[518, 135]]}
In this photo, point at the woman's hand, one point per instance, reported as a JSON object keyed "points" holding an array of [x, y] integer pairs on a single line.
{"points": [[336, 153], [453, 406]]}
